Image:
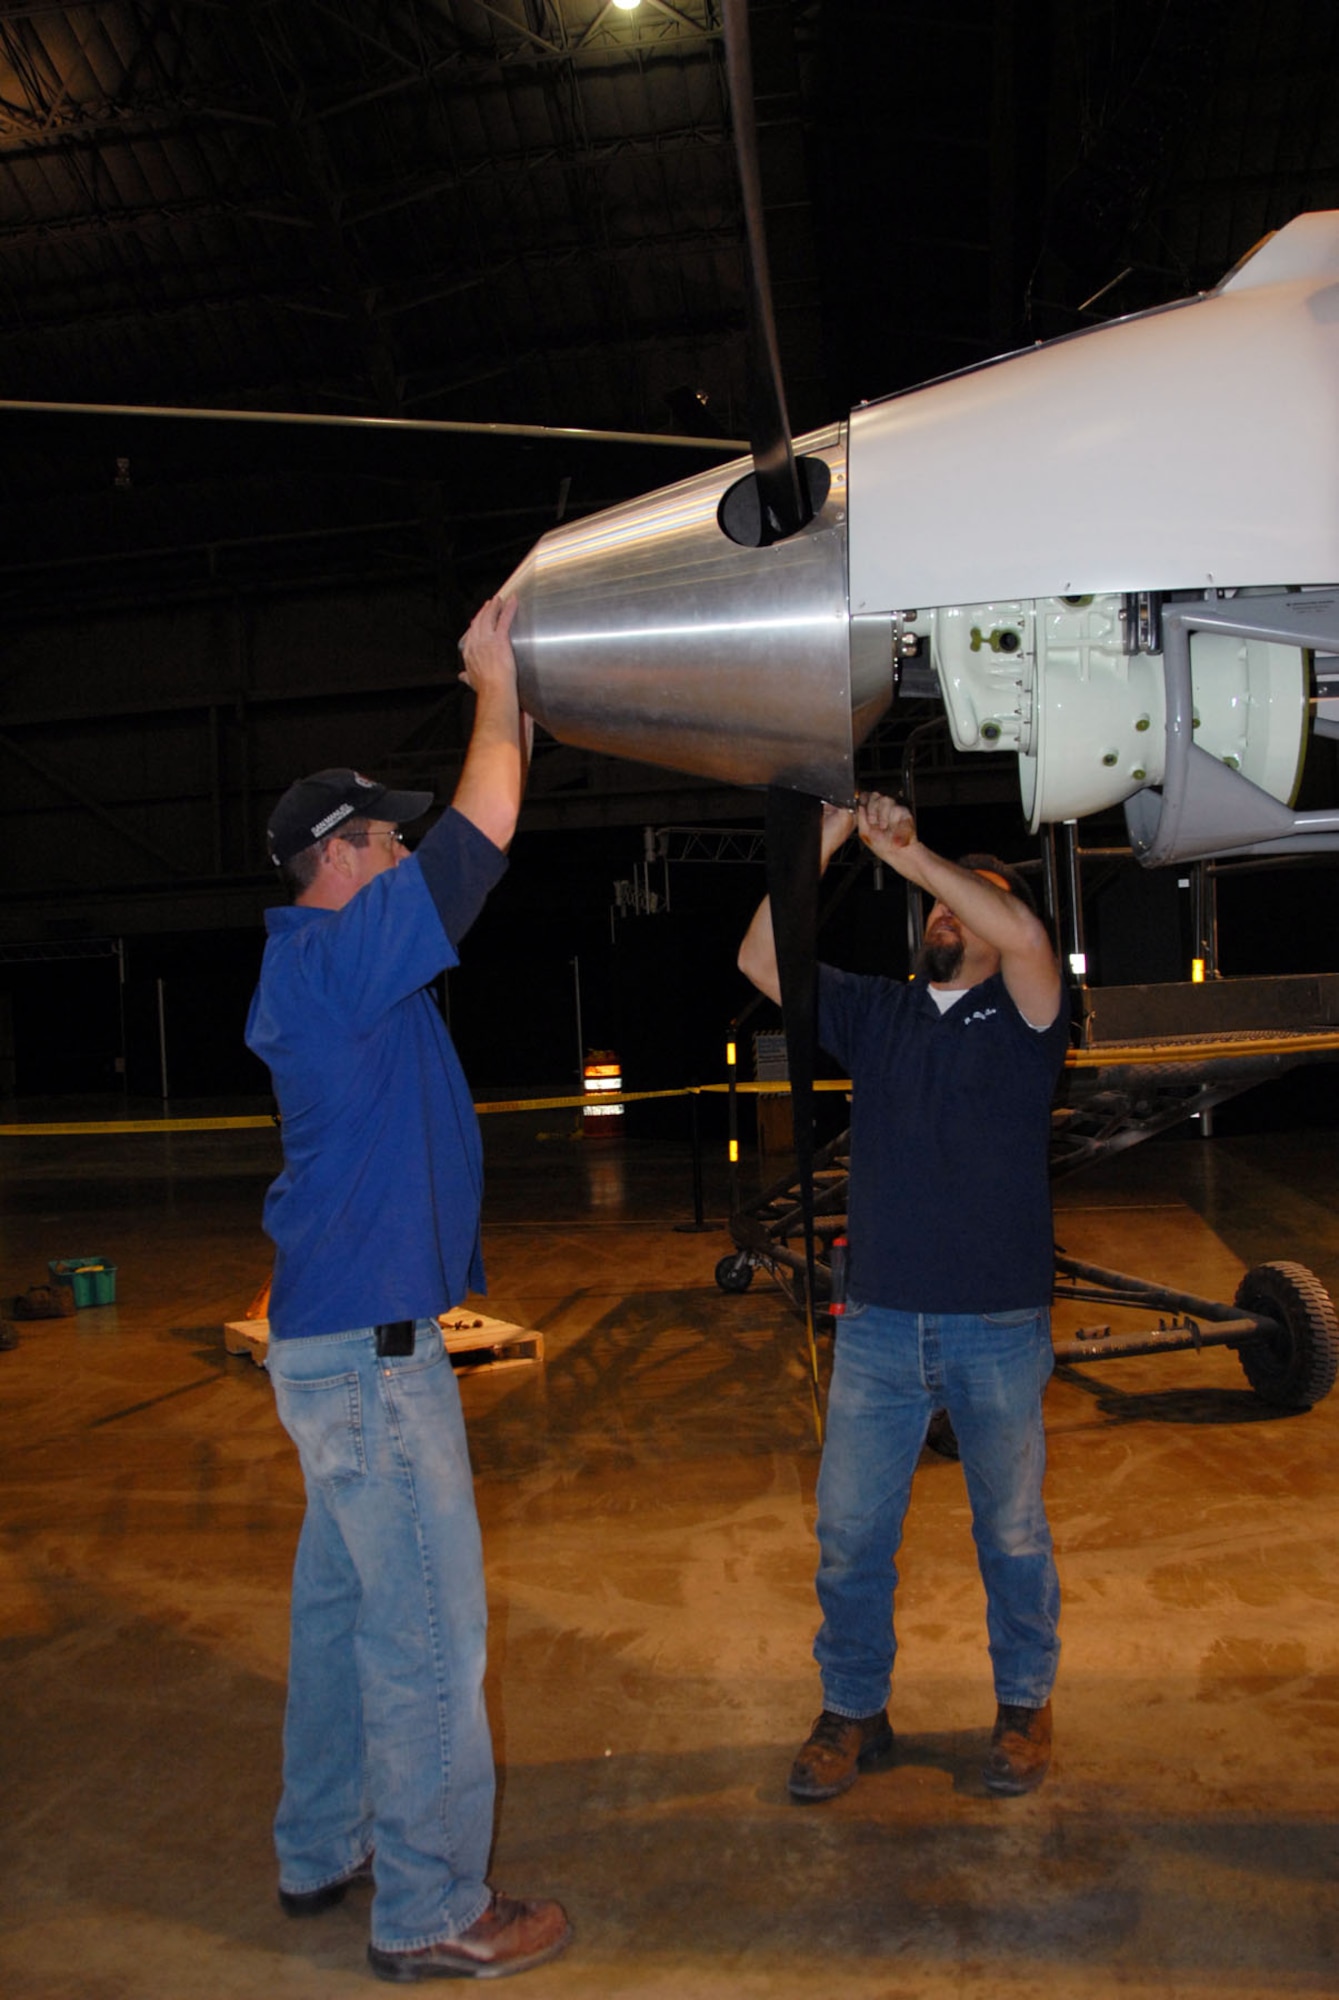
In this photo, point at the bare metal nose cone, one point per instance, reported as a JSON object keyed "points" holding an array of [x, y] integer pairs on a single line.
{"points": [[646, 632]]}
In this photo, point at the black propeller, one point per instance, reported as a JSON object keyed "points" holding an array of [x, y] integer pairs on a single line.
{"points": [[794, 819], [794, 824], [783, 497]]}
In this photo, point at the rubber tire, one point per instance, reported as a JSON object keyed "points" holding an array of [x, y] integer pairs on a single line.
{"points": [[735, 1272], [1298, 1369]]}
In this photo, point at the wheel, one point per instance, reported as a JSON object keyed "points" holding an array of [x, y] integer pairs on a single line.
{"points": [[1297, 1367], [735, 1272]]}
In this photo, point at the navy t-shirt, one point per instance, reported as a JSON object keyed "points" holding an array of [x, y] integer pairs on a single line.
{"points": [[949, 1207], [375, 1216]]}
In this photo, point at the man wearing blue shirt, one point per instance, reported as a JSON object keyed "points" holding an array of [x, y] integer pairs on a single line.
{"points": [[388, 1763], [949, 1285]]}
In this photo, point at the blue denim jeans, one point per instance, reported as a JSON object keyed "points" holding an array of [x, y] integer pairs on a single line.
{"points": [[892, 1371], [386, 1741]]}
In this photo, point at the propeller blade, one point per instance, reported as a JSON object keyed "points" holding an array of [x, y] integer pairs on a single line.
{"points": [[794, 822], [783, 494], [371, 427]]}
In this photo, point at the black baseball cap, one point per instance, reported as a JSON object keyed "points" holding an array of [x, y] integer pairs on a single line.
{"points": [[317, 806], [1004, 874]]}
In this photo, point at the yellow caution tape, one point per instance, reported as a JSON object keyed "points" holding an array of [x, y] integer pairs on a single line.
{"points": [[599, 1097], [768, 1089], [136, 1125], [81, 1128], [1114, 1055]]}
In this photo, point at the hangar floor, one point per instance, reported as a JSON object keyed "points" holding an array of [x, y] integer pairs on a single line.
{"points": [[647, 1500]]}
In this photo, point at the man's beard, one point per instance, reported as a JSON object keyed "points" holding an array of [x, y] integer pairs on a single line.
{"points": [[940, 959]]}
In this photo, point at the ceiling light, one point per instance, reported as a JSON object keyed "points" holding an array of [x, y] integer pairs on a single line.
{"points": [[628, 6]]}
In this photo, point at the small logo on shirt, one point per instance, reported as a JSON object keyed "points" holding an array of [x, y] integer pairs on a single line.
{"points": [[980, 1014]]}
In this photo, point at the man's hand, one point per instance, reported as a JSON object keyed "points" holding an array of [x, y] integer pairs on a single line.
{"points": [[838, 826], [887, 830], [757, 954], [486, 648], [496, 763]]}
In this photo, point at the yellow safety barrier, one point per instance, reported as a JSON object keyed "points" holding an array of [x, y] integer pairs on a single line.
{"points": [[578, 1103], [74, 1129], [1113, 1055], [80, 1128]]}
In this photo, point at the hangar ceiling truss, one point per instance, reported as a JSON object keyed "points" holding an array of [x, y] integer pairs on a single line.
{"points": [[525, 212]]}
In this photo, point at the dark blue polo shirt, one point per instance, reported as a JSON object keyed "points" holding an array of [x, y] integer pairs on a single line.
{"points": [[949, 1206], [375, 1216]]}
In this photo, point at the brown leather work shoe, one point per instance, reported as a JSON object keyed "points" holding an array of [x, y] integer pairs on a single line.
{"points": [[840, 1747], [510, 1936], [1020, 1750]]}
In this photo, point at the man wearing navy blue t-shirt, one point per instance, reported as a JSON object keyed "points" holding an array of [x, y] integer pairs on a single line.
{"points": [[949, 1286], [388, 1762]]}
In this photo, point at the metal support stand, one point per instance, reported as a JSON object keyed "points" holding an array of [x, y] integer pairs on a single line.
{"points": [[1076, 954], [1224, 1325], [1204, 915], [1050, 883]]}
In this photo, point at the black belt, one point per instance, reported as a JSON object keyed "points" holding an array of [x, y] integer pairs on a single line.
{"points": [[396, 1337]]}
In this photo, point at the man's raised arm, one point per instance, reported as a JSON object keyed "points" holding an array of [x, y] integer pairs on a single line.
{"points": [[492, 780], [757, 954], [1027, 960]]}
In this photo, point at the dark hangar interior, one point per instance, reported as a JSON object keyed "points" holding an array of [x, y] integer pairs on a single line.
{"points": [[382, 219], [520, 214]]}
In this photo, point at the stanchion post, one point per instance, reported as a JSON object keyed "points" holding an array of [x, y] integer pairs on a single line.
{"points": [[698, 1204], [731, 1078], [698, 1224]]}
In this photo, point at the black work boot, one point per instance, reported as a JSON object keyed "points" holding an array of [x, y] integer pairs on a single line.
{"points": [[312, 1902], [839, 1748], [1020, 1750]]}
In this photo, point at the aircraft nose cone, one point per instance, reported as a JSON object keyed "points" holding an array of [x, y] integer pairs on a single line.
{"points": [[646, 632]]}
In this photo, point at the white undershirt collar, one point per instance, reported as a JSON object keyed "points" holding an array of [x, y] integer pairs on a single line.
{"points": [[945, 997]]}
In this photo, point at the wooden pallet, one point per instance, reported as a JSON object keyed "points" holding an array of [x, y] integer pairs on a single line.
{"points": [[474, 1341], [471, 1339], [247, 1336]]}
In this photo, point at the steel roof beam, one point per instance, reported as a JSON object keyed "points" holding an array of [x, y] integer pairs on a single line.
{"points": [[583, 153]]}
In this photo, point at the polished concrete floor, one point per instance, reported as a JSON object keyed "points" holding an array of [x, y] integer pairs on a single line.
{"points": [[647, 1501]]}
